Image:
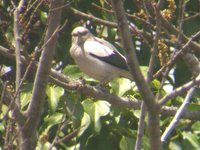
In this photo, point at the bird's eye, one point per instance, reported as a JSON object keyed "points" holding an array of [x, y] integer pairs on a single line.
{"points": [[74, 34], [83, 33]]}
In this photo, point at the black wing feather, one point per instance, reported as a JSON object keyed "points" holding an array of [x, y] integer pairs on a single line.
{"points": [[114, 59]]}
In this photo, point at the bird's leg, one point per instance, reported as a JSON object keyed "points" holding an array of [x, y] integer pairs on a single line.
{"points": [[102, 85]]}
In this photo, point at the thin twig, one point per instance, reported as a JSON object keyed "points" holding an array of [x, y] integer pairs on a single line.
{"points": [[180, 90], [91, 17], [192, 17], [177, 54], [178, 115], [69, 136], [60, 79], [12, 104], [2, 96], [141, 126], [149, 78], [18, 54], [57, 132], [27, 28]]}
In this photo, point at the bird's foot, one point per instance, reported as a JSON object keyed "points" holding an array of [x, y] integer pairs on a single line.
{"points": [[101, 87]]}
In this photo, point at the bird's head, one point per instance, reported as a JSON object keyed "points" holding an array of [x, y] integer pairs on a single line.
{"points": [[80, 35]]}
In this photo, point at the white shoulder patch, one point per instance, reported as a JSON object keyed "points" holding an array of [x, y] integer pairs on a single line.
{"points": [[97, 48]]}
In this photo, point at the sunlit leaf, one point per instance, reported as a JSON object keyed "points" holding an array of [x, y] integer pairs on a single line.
{"points": [[52, 120], [54, 93], [193, 139], [74, 72], [85, 122], [144, 70], [74, 109], [96, 109], [26, 94], [25, 98], [196, 127], [193, 106], [127, 143], [175, 145], [120, 86]]}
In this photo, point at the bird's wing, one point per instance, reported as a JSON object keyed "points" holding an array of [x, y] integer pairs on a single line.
{"points": [[106, 52]]}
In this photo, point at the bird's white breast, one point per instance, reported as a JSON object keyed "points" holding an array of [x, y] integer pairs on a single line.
{"points": [[92, 66]]}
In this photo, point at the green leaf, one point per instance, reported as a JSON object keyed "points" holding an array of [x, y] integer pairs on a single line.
{"points": [[127, 143], [144, 70], [85, 122], [72, 71], [196, 127], [96, 109], [52, 120], [74, 107], [193, 140], [155, 84], [26, 94], [120, 86], [45, 146], [174, 145], [54, 93], [43, 16], [25, 98], [193, 107]]}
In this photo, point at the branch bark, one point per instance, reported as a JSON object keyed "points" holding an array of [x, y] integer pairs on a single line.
{"points": [[178, 115], [33, 113], [61, 80], [146, 93], [18, 53]]}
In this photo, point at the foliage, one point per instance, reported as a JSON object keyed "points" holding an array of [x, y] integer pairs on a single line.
{"points": [[73, 120]]}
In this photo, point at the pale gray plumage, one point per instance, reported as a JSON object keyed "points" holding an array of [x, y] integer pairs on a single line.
{"points": [[96, 57]]}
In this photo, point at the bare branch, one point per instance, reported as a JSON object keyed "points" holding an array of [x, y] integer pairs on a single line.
{"points": [[147, 95], [65, 82], [180, 90], [141, 127], [18, 54], [178, 115], [28, 133], [90, 17], [7, 99], [141, 124], [192, 62]]}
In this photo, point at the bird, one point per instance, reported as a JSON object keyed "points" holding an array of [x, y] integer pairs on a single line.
{"points": [[97, 57]]}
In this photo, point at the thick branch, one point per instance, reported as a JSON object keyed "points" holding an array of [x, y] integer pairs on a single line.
{"points": [[28, 132], [178, 115], [63, 81], [7, 99], [18, 55], [180, 90], [146, 93], [171, 29]]}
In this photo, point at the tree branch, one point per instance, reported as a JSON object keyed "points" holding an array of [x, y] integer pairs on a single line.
{"points": [[61, 80], [28, 132], [180, 90], [171, 29], [18, 53], [7, 99], [90, 17], [178, 115], [144, 89]]}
